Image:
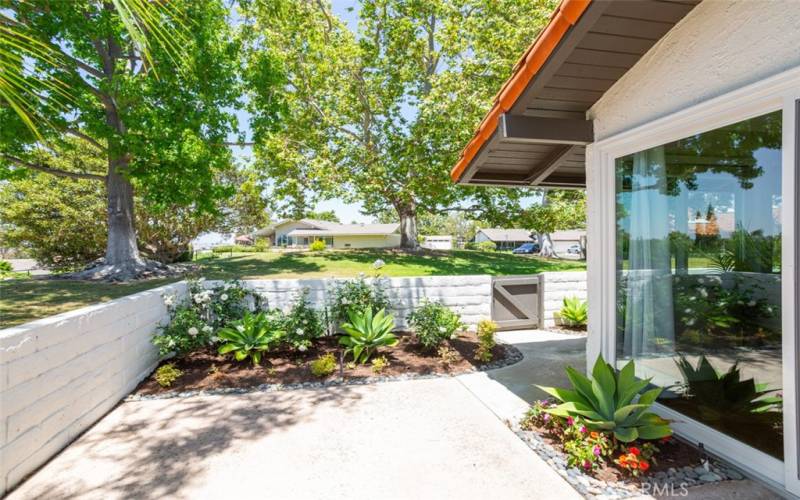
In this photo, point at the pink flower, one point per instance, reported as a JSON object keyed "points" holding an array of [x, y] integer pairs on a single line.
{"points": [[583, 429], [596, 451], [570, 420], [546, 417], [587, 464]]}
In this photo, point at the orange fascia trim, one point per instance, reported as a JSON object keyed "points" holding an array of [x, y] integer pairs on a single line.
{"points": [[565, 16]]}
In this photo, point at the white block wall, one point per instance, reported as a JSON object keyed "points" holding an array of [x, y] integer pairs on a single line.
{"points": [[470, 296], [60, 374], [555, 288]]}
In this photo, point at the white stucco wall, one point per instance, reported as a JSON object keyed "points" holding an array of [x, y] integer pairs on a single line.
{"points": [[60, 374], [367, 241], [716, 48]]}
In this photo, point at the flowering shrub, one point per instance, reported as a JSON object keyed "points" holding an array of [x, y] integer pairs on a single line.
{"points": [[433, 323], [589, 449], [194, 320], [356, 295], [302, 323]]}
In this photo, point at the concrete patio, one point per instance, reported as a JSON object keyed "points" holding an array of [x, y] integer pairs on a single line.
{"points": [[433, 438]]}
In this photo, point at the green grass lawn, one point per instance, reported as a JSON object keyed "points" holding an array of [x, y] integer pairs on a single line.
{"points": [[24, 300]]}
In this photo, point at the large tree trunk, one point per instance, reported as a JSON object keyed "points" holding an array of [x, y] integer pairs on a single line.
{"points": [[408, 226], [546, 248], [121, 249]]}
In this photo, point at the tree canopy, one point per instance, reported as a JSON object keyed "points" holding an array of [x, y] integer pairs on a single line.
{"points": [[380, 115]]}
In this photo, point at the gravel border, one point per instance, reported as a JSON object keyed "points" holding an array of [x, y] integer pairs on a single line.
{"points": [[673, 481], [514, 356]]}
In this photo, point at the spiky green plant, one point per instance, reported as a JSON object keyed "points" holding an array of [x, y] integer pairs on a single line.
{"points": [[606, 402], [250, 337], [574, 312], [366, 332]]}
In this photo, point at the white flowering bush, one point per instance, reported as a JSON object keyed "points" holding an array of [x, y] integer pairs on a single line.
{"points": [[357, 295], [302, 323], [194, 320], [433, 323]]}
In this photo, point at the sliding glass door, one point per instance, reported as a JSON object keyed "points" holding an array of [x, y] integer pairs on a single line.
{"points": [[698, 273]]}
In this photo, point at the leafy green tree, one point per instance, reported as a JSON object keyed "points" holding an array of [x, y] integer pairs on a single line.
{"points": [[326, 215], [160, 121], [381, 115], [60, 221], [248, 209], [559, 210]]}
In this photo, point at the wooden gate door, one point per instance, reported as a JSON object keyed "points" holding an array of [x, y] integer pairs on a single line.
{"points": [[516, 302]]}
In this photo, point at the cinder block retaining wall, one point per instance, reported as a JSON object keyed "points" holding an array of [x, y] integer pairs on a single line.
{"points": [[557, 286], [470, 296], [59, 375]]}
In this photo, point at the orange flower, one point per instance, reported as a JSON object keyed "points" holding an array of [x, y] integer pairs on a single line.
{"points": [[594, 434], [633, 464], [634, 450], [622, 459], [632, 457], [643, 465]]}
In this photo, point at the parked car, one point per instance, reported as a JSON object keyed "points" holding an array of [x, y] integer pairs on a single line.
{"points": [[527, 248], [574, 249]]}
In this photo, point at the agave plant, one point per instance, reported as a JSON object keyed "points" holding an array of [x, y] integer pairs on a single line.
{"points": [[574, 312], [365, 333], [606, 402], [723, 395], [250, 337]]}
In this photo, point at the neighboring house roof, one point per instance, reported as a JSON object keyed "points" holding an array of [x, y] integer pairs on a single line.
{"points": [[507, 234], [325, 228], [536, 131]]}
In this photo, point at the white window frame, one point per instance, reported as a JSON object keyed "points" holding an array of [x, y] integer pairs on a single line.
{"points": [[779, 92]]}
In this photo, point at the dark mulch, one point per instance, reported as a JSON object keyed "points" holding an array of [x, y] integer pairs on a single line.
{"points": [[674, 453], [204, 370]]}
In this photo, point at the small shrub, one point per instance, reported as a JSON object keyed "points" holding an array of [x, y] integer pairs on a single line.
{"points": [[186, 332], [574, 312], [303, 323], [261, 245], [250, 337], [350, 365], [433, 323], [366, 332], [356, 295], [486, 246], [235, 249], [379, 364], [486, 342], [448, 355], [323, 365], [317, 246], [167, 374]]}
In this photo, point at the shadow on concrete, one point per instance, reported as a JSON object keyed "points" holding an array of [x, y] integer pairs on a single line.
{"points": [[152, 449], [543, 364]]}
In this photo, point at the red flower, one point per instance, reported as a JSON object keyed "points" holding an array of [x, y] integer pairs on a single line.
{"points": [[643, 465], [634, 450], [665, 439], [634, 464]]}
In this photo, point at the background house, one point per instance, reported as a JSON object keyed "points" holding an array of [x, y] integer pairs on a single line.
{"points": [[505, 239], [438, 242], [301, 233], [563, 240]]}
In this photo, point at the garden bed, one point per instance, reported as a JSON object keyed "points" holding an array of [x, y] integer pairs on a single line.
{"points": [[207, 371]]}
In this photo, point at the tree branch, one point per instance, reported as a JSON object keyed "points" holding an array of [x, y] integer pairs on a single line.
{"points": [[50, 170], [81, 135]]}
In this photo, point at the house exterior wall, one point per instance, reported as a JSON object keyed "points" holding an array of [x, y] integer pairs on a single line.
{"points": [[718, 47], [367, 241], [60, 374], [479, 236], [287, 228]]}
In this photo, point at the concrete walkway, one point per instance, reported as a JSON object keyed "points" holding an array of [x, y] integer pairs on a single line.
{"points": [[432, 438]]}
